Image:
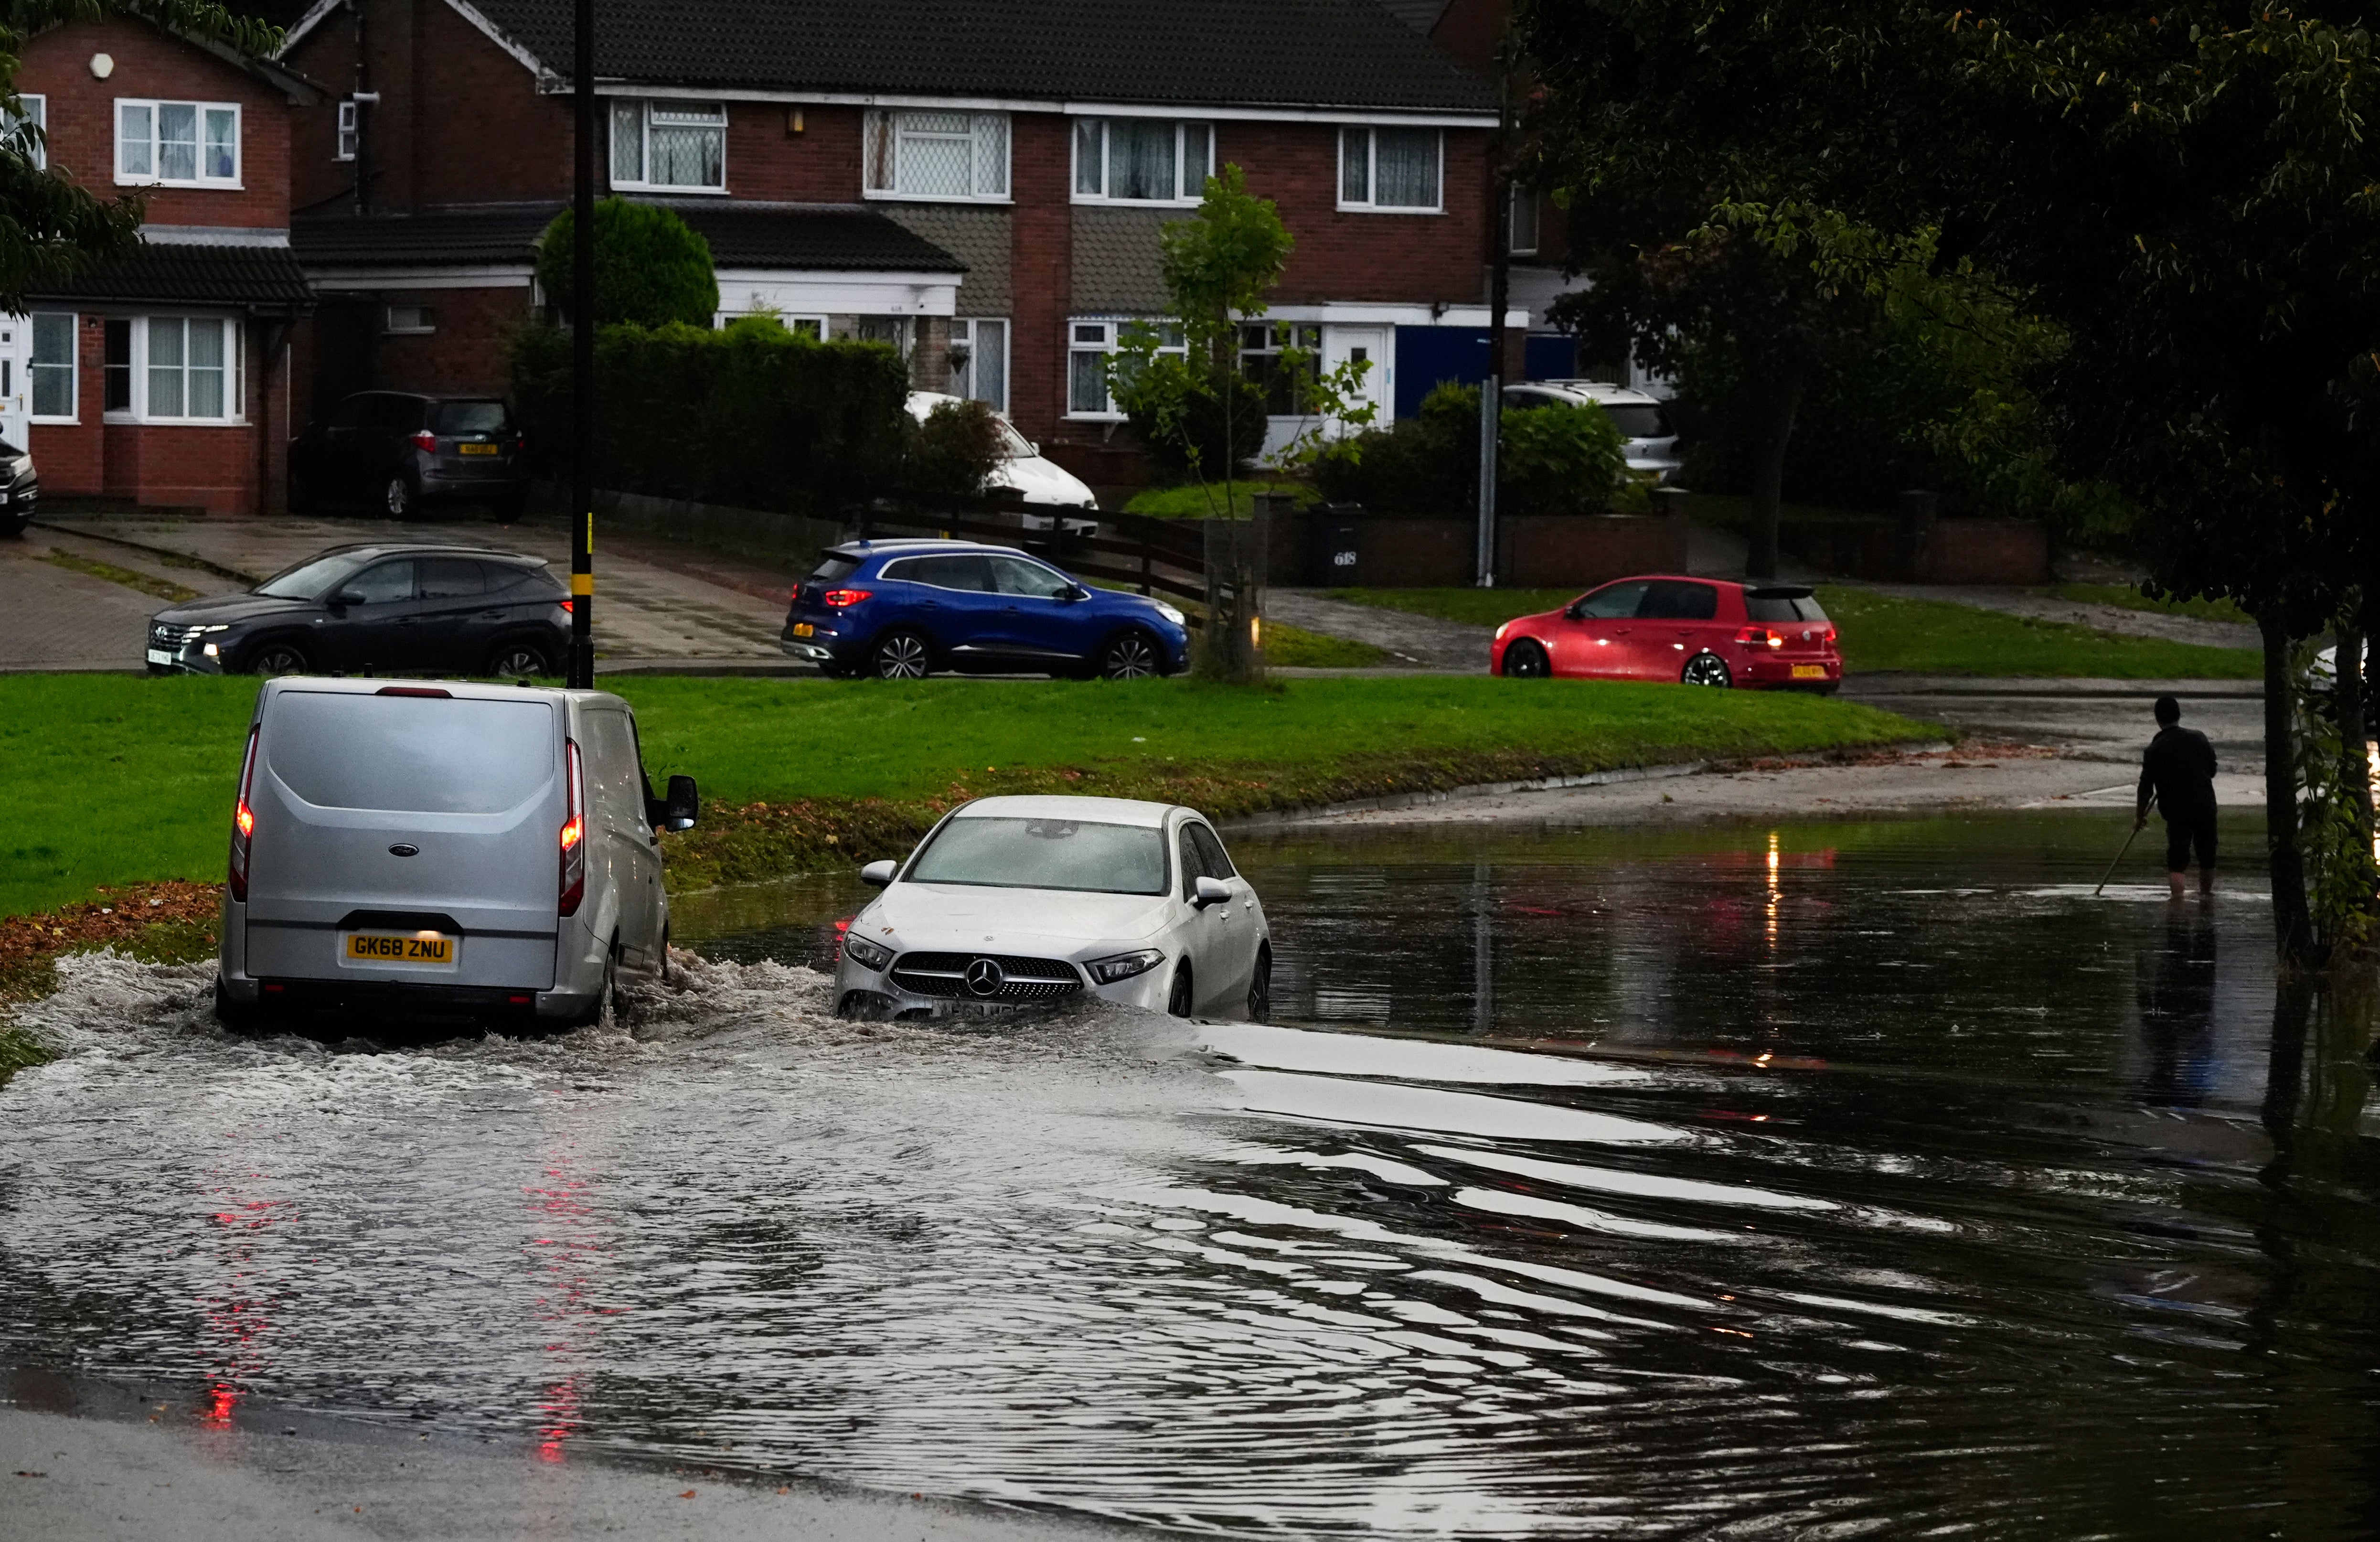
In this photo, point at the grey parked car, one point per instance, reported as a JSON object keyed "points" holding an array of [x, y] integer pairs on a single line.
{"points": [[392, 451], [448, 849]]}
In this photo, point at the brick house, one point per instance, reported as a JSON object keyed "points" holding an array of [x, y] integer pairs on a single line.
{"points": [[166, 377], [981, 186]]}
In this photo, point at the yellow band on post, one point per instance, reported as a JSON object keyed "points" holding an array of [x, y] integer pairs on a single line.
{"points": [[582, 583]]}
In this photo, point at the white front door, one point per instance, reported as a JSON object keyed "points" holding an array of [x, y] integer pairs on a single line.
{"points": [[16, 385], [1374, 347]]}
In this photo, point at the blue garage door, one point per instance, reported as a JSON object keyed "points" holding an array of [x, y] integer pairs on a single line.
{"points": [[1429, 356], [1552, 355]]}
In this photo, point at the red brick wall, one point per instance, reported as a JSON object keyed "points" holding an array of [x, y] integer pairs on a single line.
{"points": [[820, 165], [1347, 256], [466, 352], [1041, 259], [149, 64]]}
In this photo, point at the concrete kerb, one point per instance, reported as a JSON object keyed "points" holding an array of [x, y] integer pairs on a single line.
{"points": [[164, 553]]}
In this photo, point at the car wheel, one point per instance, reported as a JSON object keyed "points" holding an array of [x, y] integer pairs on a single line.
{"points": [[903, 656], [13, 525], [1260, 988], [1129, 657], [605, 997], [398, 498], [235, 1016], [518, 659], [278, 658], [1707, 669], [1525, 659], [1179, 1000]]}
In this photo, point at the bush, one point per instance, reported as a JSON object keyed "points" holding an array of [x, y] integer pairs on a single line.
{"points": [[652, 268], [951, 452], [1553, 460], [754, 415], [1202, 428]]}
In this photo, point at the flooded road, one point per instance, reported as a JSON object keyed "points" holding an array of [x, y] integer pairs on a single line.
{"points": [[1812, 1180]]}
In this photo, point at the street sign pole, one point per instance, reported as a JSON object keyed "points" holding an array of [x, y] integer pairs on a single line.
{"points": [[581, 673], [1491, 394]]}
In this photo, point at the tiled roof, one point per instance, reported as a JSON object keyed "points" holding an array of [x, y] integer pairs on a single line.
{"points": [[1420, 15], [1326, 54], [264, 276], [1118, 261], [817, 237]]}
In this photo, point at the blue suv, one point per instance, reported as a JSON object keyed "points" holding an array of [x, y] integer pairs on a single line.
{"points": [[902, 609]]}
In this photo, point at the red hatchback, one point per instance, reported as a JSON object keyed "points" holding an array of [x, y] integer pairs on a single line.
{"points": [[1696, 631]]}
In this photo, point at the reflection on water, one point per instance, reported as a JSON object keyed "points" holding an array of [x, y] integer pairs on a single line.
{"points": [[1832, 1180]]}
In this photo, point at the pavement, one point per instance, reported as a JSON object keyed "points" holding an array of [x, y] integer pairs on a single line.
{"points": [[1424, 642], [100, 1462]]}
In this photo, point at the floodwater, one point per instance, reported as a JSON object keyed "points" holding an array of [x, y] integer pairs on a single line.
{"points": [[1822, 1180]]}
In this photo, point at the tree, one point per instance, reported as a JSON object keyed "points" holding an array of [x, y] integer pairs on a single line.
{"points": [[652, 268], [2188, 192], [51, 228]]}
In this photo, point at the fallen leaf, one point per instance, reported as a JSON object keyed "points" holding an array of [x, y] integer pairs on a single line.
{"points": [[687, 1495]]}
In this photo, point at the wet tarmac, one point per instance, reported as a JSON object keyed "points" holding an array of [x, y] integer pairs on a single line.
{"points": [[1814, 1178]]}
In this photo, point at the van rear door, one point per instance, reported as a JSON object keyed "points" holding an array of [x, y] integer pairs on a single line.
{"points": [[396, 810]]}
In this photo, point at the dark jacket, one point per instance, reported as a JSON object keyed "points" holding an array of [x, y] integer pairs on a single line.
{"points": [[2179, 766]]}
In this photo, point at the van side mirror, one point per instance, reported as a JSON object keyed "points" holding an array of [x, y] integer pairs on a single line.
{"points": [[878, 875], [1211, 891], [679, 809]]}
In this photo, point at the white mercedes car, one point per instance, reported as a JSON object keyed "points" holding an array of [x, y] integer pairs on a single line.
{"points": [[1015, 901]]}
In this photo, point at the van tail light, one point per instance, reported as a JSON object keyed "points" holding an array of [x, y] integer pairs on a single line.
{"points": [[1758, 637], [425, 439], [843, 599], [574, 835], [243, 825]]}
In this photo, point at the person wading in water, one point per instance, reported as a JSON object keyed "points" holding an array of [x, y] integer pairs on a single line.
{"points": [[2178, 772]]}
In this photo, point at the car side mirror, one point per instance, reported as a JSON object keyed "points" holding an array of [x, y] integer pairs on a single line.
{"points": [[345, 598], [1573, 613], [878, 875], [1074, 592], [678, 810], [1211, 891]]}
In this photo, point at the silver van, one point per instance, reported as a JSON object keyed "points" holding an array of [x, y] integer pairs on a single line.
{"points": [[443, 848]]}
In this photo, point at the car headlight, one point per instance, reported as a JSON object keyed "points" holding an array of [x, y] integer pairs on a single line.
{"points": [[1122, 967], [867, 954], [1170, 613], [1501, 630], [211, 652], [220, 627]]}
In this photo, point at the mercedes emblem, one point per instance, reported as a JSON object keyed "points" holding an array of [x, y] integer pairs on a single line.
{"points": [[985, 977]]}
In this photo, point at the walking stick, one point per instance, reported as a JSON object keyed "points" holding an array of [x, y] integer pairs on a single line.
{"points": [[2127, 847]]}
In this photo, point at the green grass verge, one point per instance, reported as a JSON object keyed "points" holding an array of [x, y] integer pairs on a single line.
{"points": [[1882, 632], [135, 775], [1206, 503], [2132, 599], [163, 588], [1296, 648]]}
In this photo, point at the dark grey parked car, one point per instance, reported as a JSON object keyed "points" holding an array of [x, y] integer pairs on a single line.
{"points": [[392, 452], [406, 610], [20, 490]]}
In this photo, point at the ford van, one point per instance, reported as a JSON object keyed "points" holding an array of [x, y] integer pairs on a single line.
{"points": [[443, 849]]}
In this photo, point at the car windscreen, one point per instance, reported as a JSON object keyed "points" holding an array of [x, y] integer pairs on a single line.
{"points": [[832, 569], [312, 578], [1045, 854], [1781, 607], [409, 754], [470, 418], [1012, 445], [1639, 421]]}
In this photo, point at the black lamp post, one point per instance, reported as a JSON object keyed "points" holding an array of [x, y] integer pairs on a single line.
{"points": [[581, 673]]}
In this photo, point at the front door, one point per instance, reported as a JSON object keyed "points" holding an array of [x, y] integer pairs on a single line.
{"points": [[16, 389], [1599, 631], [1038, 626], [374, 630], [1372, 347]]}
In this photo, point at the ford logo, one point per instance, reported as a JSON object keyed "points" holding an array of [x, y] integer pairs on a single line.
{"points": [[985, 977], [405, 848]]}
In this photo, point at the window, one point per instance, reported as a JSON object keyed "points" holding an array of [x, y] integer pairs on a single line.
{"points": [[979, 362], [669, 144], [174, 368], [34, 115], [1142, 160], [1260, 347], [1086, 361], [404, 318], [1389, 169], [177, 144], [117, 372], [350, 130], [937, 155], [1015, 575], [1521, 239], [54, 367]]}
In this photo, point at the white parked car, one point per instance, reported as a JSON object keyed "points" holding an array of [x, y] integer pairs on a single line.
{"points": [[1022, 472], [1015, 901], [1646, 435]]}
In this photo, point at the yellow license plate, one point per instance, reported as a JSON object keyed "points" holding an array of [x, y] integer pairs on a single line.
{"points": [[477, 449], [431, 947], [1809, 671], [804, 629]]}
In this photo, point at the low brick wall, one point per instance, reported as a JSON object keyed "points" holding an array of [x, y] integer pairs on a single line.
{"points": [[1440, 552], [1924, 551], [1559, 552], [785, 540]]}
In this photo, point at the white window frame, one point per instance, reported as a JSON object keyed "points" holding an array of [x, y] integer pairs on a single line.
{"points": [[644, 107], [350, 131], [37, 112], [235, 371], [990, 145], [1188, 189], [1524, 199], [426, 323], [73, 367], [972, 337], [153, 177], [1366, 205], [1082, 343]]}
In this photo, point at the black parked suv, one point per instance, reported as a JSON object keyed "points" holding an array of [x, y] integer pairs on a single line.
{"points": [[20, 490], [402, 610], [392, 452]]}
